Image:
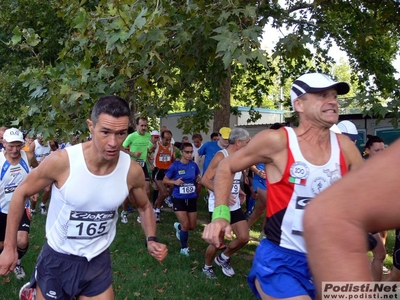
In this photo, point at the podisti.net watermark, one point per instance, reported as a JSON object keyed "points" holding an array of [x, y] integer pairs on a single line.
{"points": [[360, 290]]}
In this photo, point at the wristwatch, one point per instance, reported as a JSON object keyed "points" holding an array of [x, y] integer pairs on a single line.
{"points": [[152, 239]]}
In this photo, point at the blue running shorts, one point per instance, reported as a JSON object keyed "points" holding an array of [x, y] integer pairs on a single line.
{"points": [[281, 272], [259, 184]]}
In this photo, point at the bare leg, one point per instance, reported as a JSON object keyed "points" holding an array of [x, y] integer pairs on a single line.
{"points": [[379, 256], [266, 297], [242, 238], [260, 207]]}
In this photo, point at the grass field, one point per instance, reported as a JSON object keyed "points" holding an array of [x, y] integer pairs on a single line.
{"points": [[138, 276]]}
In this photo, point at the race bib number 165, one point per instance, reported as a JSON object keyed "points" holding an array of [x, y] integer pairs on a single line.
{"points": [[89, 225]]}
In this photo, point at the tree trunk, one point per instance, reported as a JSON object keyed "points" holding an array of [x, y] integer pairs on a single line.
{"points": [[222, 115]]}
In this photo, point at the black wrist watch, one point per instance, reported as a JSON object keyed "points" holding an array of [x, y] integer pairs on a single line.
{"points": [[152, 239]]}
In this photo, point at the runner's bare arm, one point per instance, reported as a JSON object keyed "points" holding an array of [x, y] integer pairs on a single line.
{"points": [[32, 148], [52, 169], [32, 159], [208, 177], [137, 192], [351, 153], [357, 204], [267, 146], [264, 147]]}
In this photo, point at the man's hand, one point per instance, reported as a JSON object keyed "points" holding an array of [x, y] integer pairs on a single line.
{"points": [[157, 250], [242, 197], [232, 200], [8, 261], [215, 231]]}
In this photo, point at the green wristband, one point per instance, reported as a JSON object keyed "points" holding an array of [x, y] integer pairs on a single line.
{"points": [[222, 212]]}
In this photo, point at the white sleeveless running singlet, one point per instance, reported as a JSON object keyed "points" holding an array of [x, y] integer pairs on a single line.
{"points": [[10, 177], [235, 190], [83, 212]]}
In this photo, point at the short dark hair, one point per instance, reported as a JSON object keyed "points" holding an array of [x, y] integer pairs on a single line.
{"points": [[165, 131], [276, 126], [140, 118], [197, 136], [111, 105], [214, 134], [371, 140], [186, 145]]}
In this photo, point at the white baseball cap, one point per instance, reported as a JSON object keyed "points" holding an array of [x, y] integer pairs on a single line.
{"points": [[348, 128], [155, 133], [315, 83], [13, 135]]}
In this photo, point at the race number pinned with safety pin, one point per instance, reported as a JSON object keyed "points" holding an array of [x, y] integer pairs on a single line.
{"points": [[299, 172], [89, 225]]}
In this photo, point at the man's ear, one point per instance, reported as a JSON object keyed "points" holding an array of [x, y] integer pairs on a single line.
{"points": [[298, 105], [90, 125]]}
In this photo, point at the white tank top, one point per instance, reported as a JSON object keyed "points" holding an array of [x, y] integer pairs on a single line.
{"points": [[41, 151], [235, 190], [83, 212], [10, 177]]}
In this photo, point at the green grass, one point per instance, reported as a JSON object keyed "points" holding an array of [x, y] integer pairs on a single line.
{"points": [[139, 276]]}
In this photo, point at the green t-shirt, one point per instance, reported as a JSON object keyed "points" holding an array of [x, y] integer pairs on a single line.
{"points": [[178, 154], [138, 143]]}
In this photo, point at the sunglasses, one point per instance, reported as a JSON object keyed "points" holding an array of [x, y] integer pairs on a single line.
{"points": [[188, 152]]}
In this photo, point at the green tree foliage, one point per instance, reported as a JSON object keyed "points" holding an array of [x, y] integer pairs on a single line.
{"points": [[58, 57]]}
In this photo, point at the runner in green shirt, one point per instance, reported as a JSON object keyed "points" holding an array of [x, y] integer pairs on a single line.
{"points": [[136, 145]]}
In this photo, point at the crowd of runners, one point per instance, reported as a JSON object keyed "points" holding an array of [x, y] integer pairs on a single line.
{"points": [[276, 173]]}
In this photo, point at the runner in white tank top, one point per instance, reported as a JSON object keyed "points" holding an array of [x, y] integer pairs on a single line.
{"points": [[238, 138], [89, 181], [41, 150], [14, 167]]}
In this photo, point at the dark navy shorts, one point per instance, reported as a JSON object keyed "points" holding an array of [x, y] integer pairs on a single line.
{"points": [[236, 216], [189, 205], [62, 276], [281, 272]]}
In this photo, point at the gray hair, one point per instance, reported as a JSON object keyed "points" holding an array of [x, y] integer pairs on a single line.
{"points": [[238, 134]]}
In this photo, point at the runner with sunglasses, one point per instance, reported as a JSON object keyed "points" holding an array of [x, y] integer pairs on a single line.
{"points": [[184, 175]]}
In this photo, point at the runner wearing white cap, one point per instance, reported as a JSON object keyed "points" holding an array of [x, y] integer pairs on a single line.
{"points": [[15, 165], [348, 128]]}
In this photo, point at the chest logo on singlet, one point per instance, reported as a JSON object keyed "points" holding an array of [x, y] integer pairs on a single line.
{"points": [[318, 185], [89, 224], [334, 174], [299, 172], [297, 225]]}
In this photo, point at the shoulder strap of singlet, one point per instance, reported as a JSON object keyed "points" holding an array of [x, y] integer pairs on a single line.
{"points": [[5, 165]]}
